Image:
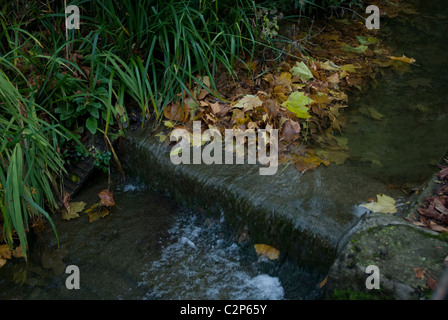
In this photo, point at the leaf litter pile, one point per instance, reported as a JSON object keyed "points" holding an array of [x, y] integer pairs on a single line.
{"points": [[303, 96]]}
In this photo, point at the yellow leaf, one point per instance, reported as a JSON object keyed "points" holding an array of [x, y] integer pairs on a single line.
{"points": [[403, 59], [267, 251], [5, 252], [336, 156], [18, 252], [75, 208], [101, 212], [384, 204], [107, 198], [249, 102]]}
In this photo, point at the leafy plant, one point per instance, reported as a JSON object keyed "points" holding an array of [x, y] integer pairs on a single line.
{"points": [[29, 162]]}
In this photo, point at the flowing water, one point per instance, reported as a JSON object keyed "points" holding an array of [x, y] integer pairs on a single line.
{"points": [[151, 248]]}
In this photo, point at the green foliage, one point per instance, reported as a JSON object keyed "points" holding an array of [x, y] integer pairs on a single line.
{"points": [[102, 160], [29, 161]]}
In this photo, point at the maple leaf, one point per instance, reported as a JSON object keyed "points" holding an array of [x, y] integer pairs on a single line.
{"points": [[296, 103], [74, 209], [248, 102], [301, 70], [402, 59], [384, 204], [267, 251]]}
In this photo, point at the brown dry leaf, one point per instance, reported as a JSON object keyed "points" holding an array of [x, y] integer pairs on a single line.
{"points": [[334, 78], [2, 262], [435, 227], [217, 108], [176, 112], [248, 102], [107, 198], [5, 252], [272, 107], [323, 282], [402, 59], [267, 251], [320, 97], [66, 200], [336, 156], [18, 252], [290, 131]]}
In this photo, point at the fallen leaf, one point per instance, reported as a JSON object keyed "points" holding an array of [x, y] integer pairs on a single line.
{"points": [[358, 49], [336, 156], [106, 197], [323, 282], [329, 66], [267, 251], [309, 162], [18, 252], [176, 112], [419, 273], [367, 40], [402, 59], [431, 283], [301, 69], [290, 131], [75, 208], [248, 102], [296, 103], [100, 212], [66, 200], [384, 204], [5, 252]]}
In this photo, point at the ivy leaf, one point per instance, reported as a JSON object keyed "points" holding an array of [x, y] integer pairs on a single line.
{"points": [[296, 103], [92, 125], [302, 70], [384, 204]]}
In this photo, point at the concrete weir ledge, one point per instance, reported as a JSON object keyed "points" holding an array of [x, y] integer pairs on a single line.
{"points": [[314, 219]]}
